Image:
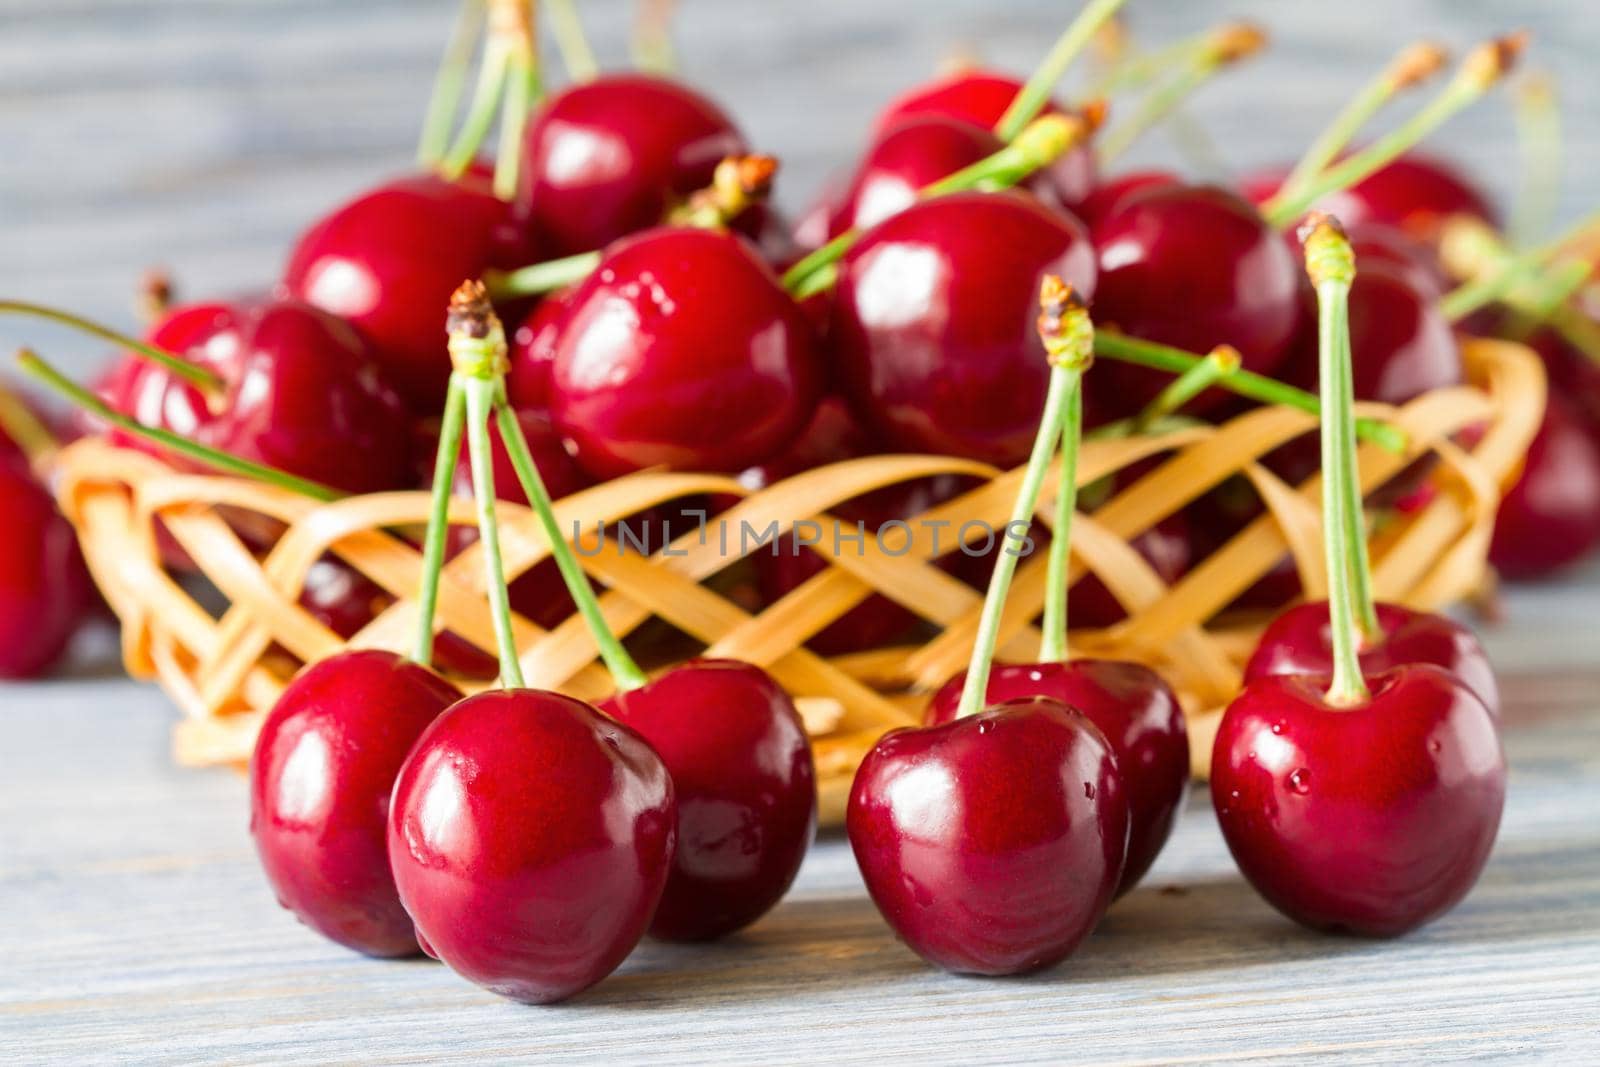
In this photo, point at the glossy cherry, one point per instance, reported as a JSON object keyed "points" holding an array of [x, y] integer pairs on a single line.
{"points": [[1112, 193], [533, 354], [45, 592], [992, 844], [1138, 715], [832, 435], [1192, 267], [1371, 819], [913, 152], [606, 157], [1300, 642], [746, 791], [933, 322], [321, 773], [530, 839], [1550, 519], [1414, 193], [682, 349], [388, 261]]}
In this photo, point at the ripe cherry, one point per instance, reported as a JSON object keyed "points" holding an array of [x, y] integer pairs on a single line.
{"points": [[1573, 374], [1193, 267], [933, 322], [992, 844], [1138, 715], [530, 839], [1550, 518], [833, 435], [388, 261], [682, 349], [606, 157], [1413, 193], [533, 354], [1112, 193], [321, 773], [746, 791], [45, 592]]}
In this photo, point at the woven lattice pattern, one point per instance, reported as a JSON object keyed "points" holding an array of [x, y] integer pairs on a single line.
{"points": [[225, 666]]}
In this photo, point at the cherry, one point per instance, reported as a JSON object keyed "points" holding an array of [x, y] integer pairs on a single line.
{"points": [[1192, 267], [980, 97], [530, 839], [608, 156], [1138, 715], [992, 844], [1168, 547], [1378, 243], [321, 773], [45, 591], [933, 322], [1300, 642], [1550, 518], [388, 261], [1413, 193], [832, 436], [533, 353], [1371, 818], [1111, 194], [1573, 374], [682, 349], [746, 789]]}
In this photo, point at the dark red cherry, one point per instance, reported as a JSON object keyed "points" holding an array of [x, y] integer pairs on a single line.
{"points": [[981, 97], [1550, 518], [833, 435], [530, 838], [533, 353], [1140, 718], [1376, 243], [913, 152], [321, 773], [992, 844], [606, 157], [1300, 641], [388, 261], [1370, 819], [1193, 267], [745, 785], [683, 350], [1573, 374], [933, 322], [45, 592], [1112, 193], [1414, 193]]}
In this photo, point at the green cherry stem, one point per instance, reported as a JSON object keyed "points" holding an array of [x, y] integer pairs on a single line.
{"points": [[571, 41], [1331, 265], [178, 367], [433, 542], [1257, 387], [1063, 317], [1541, 147], [544, 277], [1223, 48], [43, 372], [1412, 67], [486, 98], [448, 83], [1480, 71], [1137, 71], [18, 422], [650, 43], [1471, 248], [1035, 92], [1215, 368], [1069, 342], [508, 85]]}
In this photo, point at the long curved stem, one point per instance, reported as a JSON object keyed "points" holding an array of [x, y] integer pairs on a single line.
{"points": [[1035, 93], [480, 405], [448, 83], [486, 99], [1542, 148], [571, 41], [1053, 644], [178, 367], [433, 543]]}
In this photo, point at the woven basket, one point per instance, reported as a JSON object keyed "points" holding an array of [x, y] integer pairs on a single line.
{"points": [[225, 669]]}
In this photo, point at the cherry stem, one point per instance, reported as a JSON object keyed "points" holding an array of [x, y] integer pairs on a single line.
{"points": [[1413, 66], [481, 398], [26, 430], [448, 83], [1331, 265], [1245, 383], [1035, 92], [571, 41], [544, 277], [1480, 71], [1471, 248], [1044, 141], [433, 543], [1216, 367], [1070, 344], [1223, 48], [486, 98], [651, 41], [178, 367], [43, 372], [1138, 71], [508, 84], [1064, 323], [1539, 136], [154, 296]]}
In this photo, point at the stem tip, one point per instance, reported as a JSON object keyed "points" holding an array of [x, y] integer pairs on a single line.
{"points": [[1492, 60], [1328, 253], [1416, 64]]}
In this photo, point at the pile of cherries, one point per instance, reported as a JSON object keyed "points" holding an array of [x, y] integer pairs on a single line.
{"points": [[660, 314]]}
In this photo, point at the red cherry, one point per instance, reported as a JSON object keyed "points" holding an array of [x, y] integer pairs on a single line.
{"points": [[992, 844], [1550, 518], [1193, 267], [934, 322], [1300, 641], [608, 156], [1377, 243], [388, 261], [1370, 819], [1110, 195], [1413, 193], [320, 777], [832, 436], [981, 97], [745, 785], [1138, 715], [530, 839], [682, 349], [533, 353], [1573, 374], [45, 591]]}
